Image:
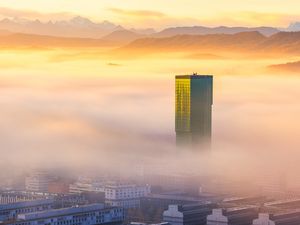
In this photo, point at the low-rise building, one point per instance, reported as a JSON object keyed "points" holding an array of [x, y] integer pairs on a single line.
{"points": [[6, 198], [283, 218], [85, 184], [37, 181], [125, 195], [95, 214], [247, 200], [82, 185], [233, 216], [190, 214], [284, 204], [12, 210], [164, 200]]}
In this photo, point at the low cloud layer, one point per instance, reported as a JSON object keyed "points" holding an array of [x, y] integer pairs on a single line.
{"points": [[89, 115]]}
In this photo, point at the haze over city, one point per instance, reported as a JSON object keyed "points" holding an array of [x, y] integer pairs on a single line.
{"points": [[101, 92]]}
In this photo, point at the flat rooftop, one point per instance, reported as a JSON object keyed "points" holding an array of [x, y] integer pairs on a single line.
{"points": [[194, 76], [62, 212], [176, 197], [26, 204], [243, 199], [240, 208], [285, 213], [283, 202]]}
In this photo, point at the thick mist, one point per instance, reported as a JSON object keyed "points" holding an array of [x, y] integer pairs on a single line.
{"points": [[88, 115]]}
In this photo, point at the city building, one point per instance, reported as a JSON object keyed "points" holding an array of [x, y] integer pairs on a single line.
{"points": [[125, 195], [11, 197], [82, 215], [190, 214], [38, 181], [284, 204], [233, 216], [81, 185], [246, 200], [283, 218], [164, 200], [84, 184], [60, 200], [153, 205], [193, 110], [12, 210]]}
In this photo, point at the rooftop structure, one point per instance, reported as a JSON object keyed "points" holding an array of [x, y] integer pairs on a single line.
{"points": [[284, 218], [190, 214], [233, 216]]}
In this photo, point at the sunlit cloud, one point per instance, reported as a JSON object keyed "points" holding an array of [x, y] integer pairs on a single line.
{"points": [[231, 18], [146, 18], [251, 18], [142, 18], [31, 14], [137, 13]]}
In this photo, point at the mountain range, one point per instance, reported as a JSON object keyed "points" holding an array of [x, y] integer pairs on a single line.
{"points": [[294, 27], [123, 36], [75, 27], [82, 32], [19, 40], [200, 30], [85, 28], [291, 67], [244, 42]]}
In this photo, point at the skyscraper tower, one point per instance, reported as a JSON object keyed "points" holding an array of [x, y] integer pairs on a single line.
{"points": [[193, 116]]}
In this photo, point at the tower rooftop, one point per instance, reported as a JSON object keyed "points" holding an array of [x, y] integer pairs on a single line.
{"points": [[194, 76]]}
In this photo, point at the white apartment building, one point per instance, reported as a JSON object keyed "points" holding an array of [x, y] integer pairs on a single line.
{"points": [[125, 195], [94, 214], [86, 185], [37, 182]]}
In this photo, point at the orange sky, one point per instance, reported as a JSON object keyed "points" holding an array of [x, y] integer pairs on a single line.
{"points": [[158, 13]]}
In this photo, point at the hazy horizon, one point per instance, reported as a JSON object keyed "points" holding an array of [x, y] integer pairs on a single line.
{"points": [[87, 113], [88, 104], [158, 14]]}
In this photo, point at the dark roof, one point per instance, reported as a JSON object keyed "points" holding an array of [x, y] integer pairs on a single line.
{"points": [[194, 76]]}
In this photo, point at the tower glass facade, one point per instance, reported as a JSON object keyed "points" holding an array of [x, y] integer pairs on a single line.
{"points": [[193, 116]]}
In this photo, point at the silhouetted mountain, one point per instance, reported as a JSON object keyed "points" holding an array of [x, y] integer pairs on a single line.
{"points": [[283, 41], [203, 45], [248, 42], [122, 36], [43, 41], [147, 31], [286, 67], [193, 42], [75, 27], [294, 27], [200, 30]]}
